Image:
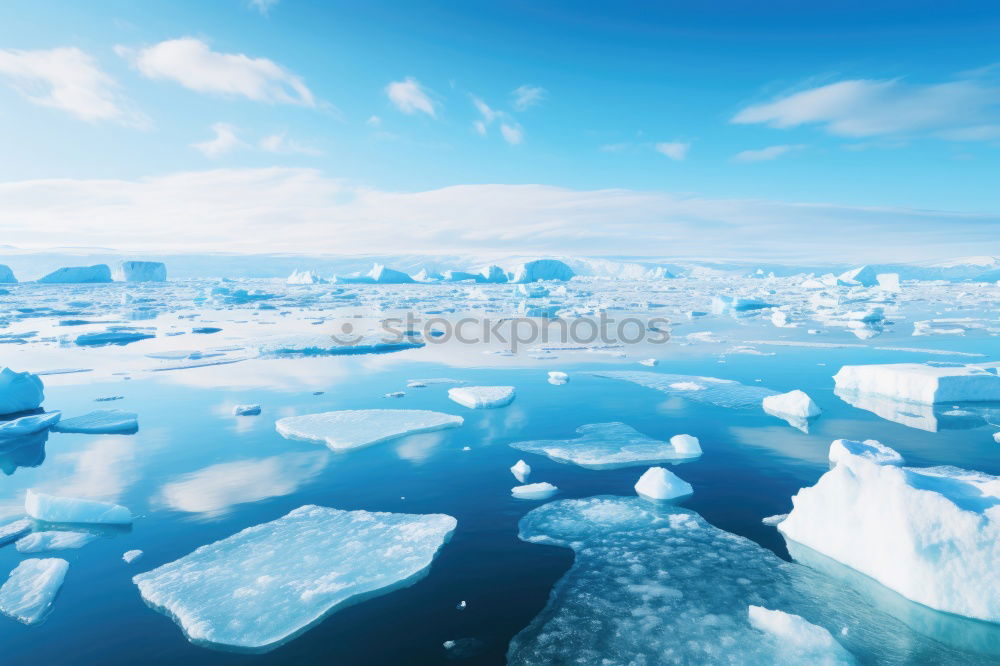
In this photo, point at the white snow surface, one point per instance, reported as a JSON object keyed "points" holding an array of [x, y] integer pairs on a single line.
{"points": [[268, 583], [353, 428], [482, 397], [100, 421], [28, 593], [130, 556], [659, 483], [925, 383], [612, 445], [19, 391], [534, 491], [54, 509], [794, 403], [521, 470], [801, 641], [870, 449]]}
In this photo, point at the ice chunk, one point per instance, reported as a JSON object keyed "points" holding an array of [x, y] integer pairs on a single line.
{"points": [[534, 491], [558, 378], [269, 583], [649, 362], [541, 269], [39, 542], [482, 397], [32, 587], [101, 421], [354, 428], [382, 275], [658, 483], [930, 534], [799, 641], [862, 275], [14, 530], [611, 445], [130, 556], [7, 275], [304, 277], [246, 410], [871, 449], [19, 391], [111, 338], [794, 403], [27, 425], [53, 509], [141, 271], [888, 281], [773, 521], [926, 383], [78, 274], [721, 392], [521, 470]]}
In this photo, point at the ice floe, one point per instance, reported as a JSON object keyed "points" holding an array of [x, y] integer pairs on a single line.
{"points": [[101, 421], [797, 640], [870, 449], [558, 378], [325, 345], [267, 584], [926, 383], [353, 428], [795, 407], [482, 397], [130, 556], [28, 425], [28, 593], [54, 509], [721, 392], [658, 483], [78, 274], [612, 445], [246, 410], [141, 271], [19, 391], [534, 491], [40, 542]]}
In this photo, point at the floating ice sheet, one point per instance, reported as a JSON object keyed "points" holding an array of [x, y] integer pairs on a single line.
{"points": [[101, 421], [482, 397], [327, 345], [267, 584], [353, 428], [53, 509], [606, 446], [925, 383], [27, 425], [721, 392], [39, 542], [32, 587]]}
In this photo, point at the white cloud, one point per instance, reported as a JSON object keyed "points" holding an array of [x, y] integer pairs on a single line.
{"points": [[68, 79], [512, 134], [280, 143], [374, 121], [510, 129], [525, 97], [676, 151], [284, 210], [191, 63], [224, 141], [410, 97], [765, 154], [868, 107], [263, 6]]}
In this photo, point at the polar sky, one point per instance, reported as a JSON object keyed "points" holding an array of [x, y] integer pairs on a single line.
{"points": [[782, 130]]}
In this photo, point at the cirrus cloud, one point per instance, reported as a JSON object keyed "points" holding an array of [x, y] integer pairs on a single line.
{"points": [[410, 97]]}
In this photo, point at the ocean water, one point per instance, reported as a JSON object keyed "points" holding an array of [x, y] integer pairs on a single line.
{"points": [[194, 473]]}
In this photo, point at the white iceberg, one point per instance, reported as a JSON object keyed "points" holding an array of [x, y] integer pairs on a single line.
{"points": [[269, 583], [534, 491], [521, 470], [795, 404], [19, 391], [799, 641], [541, 269], [931, 534], [14, 530], [658, 483], [353, 428], [870, 449], [558, 378], [130, 556], [612, 445], [304, 277], [862, 275], [649, 362], [101, 422], [246, 410], [31, 588], [925, 383], [141, 271], [482, 397], [78, 275], [40, 542], [7, 275], [28, 425], [53, 509]]}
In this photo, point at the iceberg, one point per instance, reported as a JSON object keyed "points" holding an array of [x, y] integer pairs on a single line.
{"points": [[7, 275], [721, 392], [658, 483], [521, 470], [925, 383], [355, 428], [482, 397], [494, 274], [246, 410], [31, 588], [534, 491], [265, 585], [800, 641], [795, 407], [130, 556], [78, 275], [558, 378], [930, 534], [869, 449], [39, 542], [141, 271], [53, 509], [19, 391], [27, 425], [379, 274], [304, 277], [541, 269], [101, 422], [611, 446], [865, 276]]}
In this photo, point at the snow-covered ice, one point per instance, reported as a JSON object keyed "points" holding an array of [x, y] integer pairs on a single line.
{"points": [[267, 584], [798, 640], [931, 534], [141, 271], [721, 392], [14, 530], [78, 274], [246, 410], [28, 593], [558, 378], [871, 449], [28, 425], [926, 383], [130, 556], [534, 491], [101, 421], [658, 483], [794, 403], [612, 445], [482, 397], [111, 338], [521, 470], [325, 345], [19, 391], [54, 509], [541, 269], [40, 542], [353, 428]]}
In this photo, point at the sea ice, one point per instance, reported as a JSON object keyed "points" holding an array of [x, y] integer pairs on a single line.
{"points": [[921, 382], [541, 269], [649, 362], [612, 445], [354, 428], [7, 275], [246, 410], [773, 521], [871, 449], [800, 641], [141, 271], [534, 491], [794, 403], [53, 509], [13, 531], [78, 274], [325, 345], [130, 556], [931, 534], [31, 588], [267, 584], [19, 391], [658, 483], [558, 378], [482, 397], [721, 392], [28, 425], [304, 277], [521, 470], [101, 422], [111, 338], [39, 542]]}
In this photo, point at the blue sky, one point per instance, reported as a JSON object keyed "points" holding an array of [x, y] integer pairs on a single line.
{"points": [[891, 107]]}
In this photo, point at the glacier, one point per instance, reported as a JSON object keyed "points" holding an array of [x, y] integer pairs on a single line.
{"points": [[611, 446], [28, 593], [354, 428], [267, 584]]}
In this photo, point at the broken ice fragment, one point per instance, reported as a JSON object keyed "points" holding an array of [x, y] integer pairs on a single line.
{"points": [[612, 445], [101, 421], [130, 556], [354, 428], [658, 483], [534, 491], [482, 397], [521, 470], [19, 391], [14, 530], [39, 542], [925, 383], [721, 392], [31, 588], [53, 509], [798, 641], [246, 410], [28, 425], [871, 449]]}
